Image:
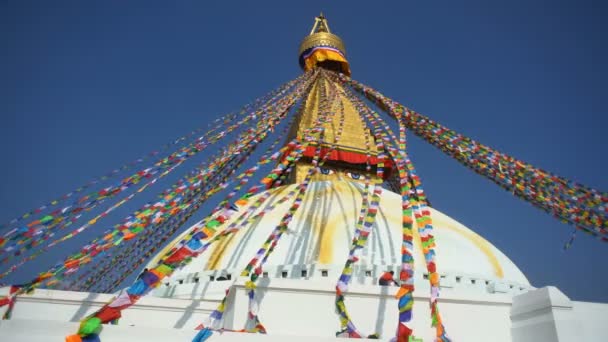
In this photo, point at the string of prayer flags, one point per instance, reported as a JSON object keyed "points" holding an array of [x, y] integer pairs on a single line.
{"points": [[219, 122], [583, 207], [139, 221], [325, 116], [210, 226], [69, 214], [413, 199], [37, 235], [182, 253], [362, 230]]}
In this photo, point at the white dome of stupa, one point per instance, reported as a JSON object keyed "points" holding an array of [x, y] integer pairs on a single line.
{"points": [[317, 242]]}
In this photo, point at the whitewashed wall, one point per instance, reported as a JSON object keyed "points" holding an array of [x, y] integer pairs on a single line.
{"points": [[300, 311]]}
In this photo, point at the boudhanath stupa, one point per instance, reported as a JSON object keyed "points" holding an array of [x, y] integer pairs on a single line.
{"points": [[298, 256]]}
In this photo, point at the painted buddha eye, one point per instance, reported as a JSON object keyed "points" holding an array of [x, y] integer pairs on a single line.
{"points": [[355, 175], [326, 171]]}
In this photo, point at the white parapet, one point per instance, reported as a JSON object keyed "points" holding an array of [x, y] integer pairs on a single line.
{"points": [[307, 308], [300, 311], [45, 331], [288, 307], [69, 306]]}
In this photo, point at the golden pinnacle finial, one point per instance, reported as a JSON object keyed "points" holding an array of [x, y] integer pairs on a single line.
{"points": [[320, 25], [323, 48]]}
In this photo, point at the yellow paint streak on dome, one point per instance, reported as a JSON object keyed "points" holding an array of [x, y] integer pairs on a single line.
{"points": [[218, 253], [477, 240], [327, 233], [327, 240], [220, 248], [340, 188]]}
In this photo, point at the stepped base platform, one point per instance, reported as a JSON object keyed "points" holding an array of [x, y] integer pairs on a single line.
{"points": [[304, 311], [44, 331]]}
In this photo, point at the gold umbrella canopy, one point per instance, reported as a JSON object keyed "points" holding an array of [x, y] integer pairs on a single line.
{"points": [[321, 48]]}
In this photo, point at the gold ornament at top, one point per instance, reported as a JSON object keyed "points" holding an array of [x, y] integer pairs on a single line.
{"points": [[320, 35]]}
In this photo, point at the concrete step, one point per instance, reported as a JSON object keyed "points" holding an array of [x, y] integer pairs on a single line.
{"points": [[44, 331]]}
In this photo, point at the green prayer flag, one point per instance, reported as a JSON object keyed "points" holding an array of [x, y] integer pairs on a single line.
{"points": [[45, 219], [90, 326]]}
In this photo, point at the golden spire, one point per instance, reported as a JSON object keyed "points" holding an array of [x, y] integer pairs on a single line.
{"points": [[323, 48]]}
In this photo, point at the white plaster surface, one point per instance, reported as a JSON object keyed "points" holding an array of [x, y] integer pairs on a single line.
{"points": [[304, 311], [547, 315], [45, 331]]}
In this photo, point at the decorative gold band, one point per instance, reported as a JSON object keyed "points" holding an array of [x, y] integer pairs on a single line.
{"points": [[322, 39]]}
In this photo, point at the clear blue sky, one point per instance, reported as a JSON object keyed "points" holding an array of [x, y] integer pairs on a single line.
{"points": [[87, 87]]}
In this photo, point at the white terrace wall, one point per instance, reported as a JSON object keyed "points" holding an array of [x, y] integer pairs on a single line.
{"points": [[300, 311], [294, 307]]}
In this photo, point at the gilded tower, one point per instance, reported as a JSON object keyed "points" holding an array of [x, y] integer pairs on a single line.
{"points": [[345, 135]]}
